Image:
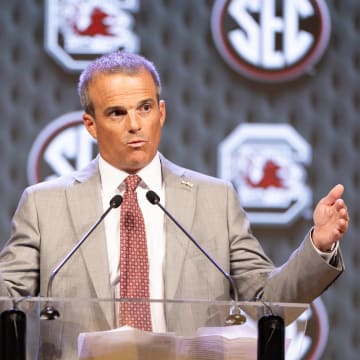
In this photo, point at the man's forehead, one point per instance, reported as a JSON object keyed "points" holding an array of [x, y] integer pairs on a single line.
{"points": [[138, 80], [141, 72]]}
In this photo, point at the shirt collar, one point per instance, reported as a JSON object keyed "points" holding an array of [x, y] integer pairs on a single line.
{"points": [[112, 178]]}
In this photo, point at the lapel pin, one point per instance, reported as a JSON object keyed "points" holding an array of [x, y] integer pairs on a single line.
{"points": [[187, 183]]}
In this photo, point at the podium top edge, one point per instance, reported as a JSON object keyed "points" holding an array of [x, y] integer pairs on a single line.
{"points": [[41, 299]]}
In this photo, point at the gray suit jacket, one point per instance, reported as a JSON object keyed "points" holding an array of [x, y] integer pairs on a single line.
{"points": [[53, 216]]}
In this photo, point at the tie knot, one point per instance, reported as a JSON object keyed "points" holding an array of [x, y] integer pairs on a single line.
{"points": [[131, 182]]}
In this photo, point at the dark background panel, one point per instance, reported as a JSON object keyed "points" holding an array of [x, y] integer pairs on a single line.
{"points": [[206, 100]]}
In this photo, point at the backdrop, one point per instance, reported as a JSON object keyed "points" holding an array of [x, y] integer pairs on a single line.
{"points": [[207, 99]]}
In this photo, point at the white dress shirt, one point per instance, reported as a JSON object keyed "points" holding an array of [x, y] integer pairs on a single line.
{"points": [[112, 183]]}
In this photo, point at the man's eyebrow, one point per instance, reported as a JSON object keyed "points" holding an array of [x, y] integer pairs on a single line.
{"points": [[115, 107], [123, 108], [146, 101]]}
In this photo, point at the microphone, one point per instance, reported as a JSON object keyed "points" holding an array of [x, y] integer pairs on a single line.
{"points": [[13, 333], [271, 328], [271, 338], [49, 312], [235, 317]]}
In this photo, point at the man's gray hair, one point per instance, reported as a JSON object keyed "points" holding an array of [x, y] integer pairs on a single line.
{"points": [[117, 62]]}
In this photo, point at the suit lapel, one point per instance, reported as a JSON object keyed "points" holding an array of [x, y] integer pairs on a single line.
{"points": [[180, 201], [86, 208]]}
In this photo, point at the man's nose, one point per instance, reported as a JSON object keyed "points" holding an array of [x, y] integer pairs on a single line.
{"points": [[134, 121]]}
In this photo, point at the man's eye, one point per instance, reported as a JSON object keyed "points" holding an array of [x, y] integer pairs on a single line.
{"points": [[117, 112], [146, 107]]}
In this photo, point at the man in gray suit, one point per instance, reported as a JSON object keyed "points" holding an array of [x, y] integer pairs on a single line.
{"points": [[120, 94]]}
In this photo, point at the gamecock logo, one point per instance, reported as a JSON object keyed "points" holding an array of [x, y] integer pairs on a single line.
{"points": [[266, 163], [76, 31]]}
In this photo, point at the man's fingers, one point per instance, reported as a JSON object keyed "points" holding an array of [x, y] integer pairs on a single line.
{"points": [[334, 194], [340, 205], [343, 215]]}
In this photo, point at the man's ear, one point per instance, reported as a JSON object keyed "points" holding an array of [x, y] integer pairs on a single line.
{"points": [[162, 109], [90, 124]]}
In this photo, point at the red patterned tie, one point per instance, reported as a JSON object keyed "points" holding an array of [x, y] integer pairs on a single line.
{"points": [[134, 263]]}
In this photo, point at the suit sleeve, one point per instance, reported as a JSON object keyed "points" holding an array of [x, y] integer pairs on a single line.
{"points": [[301, 279], [19, 259]]}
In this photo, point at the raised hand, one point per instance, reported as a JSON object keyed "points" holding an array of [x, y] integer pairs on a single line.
{"points": [[331, 219]]}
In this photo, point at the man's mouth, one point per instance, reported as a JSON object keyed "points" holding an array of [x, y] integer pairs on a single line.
{"points": [[136, 143]]}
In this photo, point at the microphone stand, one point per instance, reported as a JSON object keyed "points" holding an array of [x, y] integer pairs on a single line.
{"points": [[50, 312], [271, 328], [235, 317]]}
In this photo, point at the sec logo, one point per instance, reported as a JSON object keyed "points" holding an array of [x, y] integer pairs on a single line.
{"points": [[270, 40], [64, 145]]}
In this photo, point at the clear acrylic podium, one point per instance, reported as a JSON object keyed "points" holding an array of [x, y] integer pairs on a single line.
{"points": [[195, 329]]}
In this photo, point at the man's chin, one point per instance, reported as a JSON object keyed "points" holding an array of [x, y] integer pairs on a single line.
{"points": [[136, 165]]}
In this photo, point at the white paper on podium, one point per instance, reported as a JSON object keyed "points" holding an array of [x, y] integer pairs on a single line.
{"points": [[126, 341], [215, 343]]}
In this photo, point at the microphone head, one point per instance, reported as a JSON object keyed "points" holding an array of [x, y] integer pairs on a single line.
{"points": [[153, 197], [116, 201]]}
